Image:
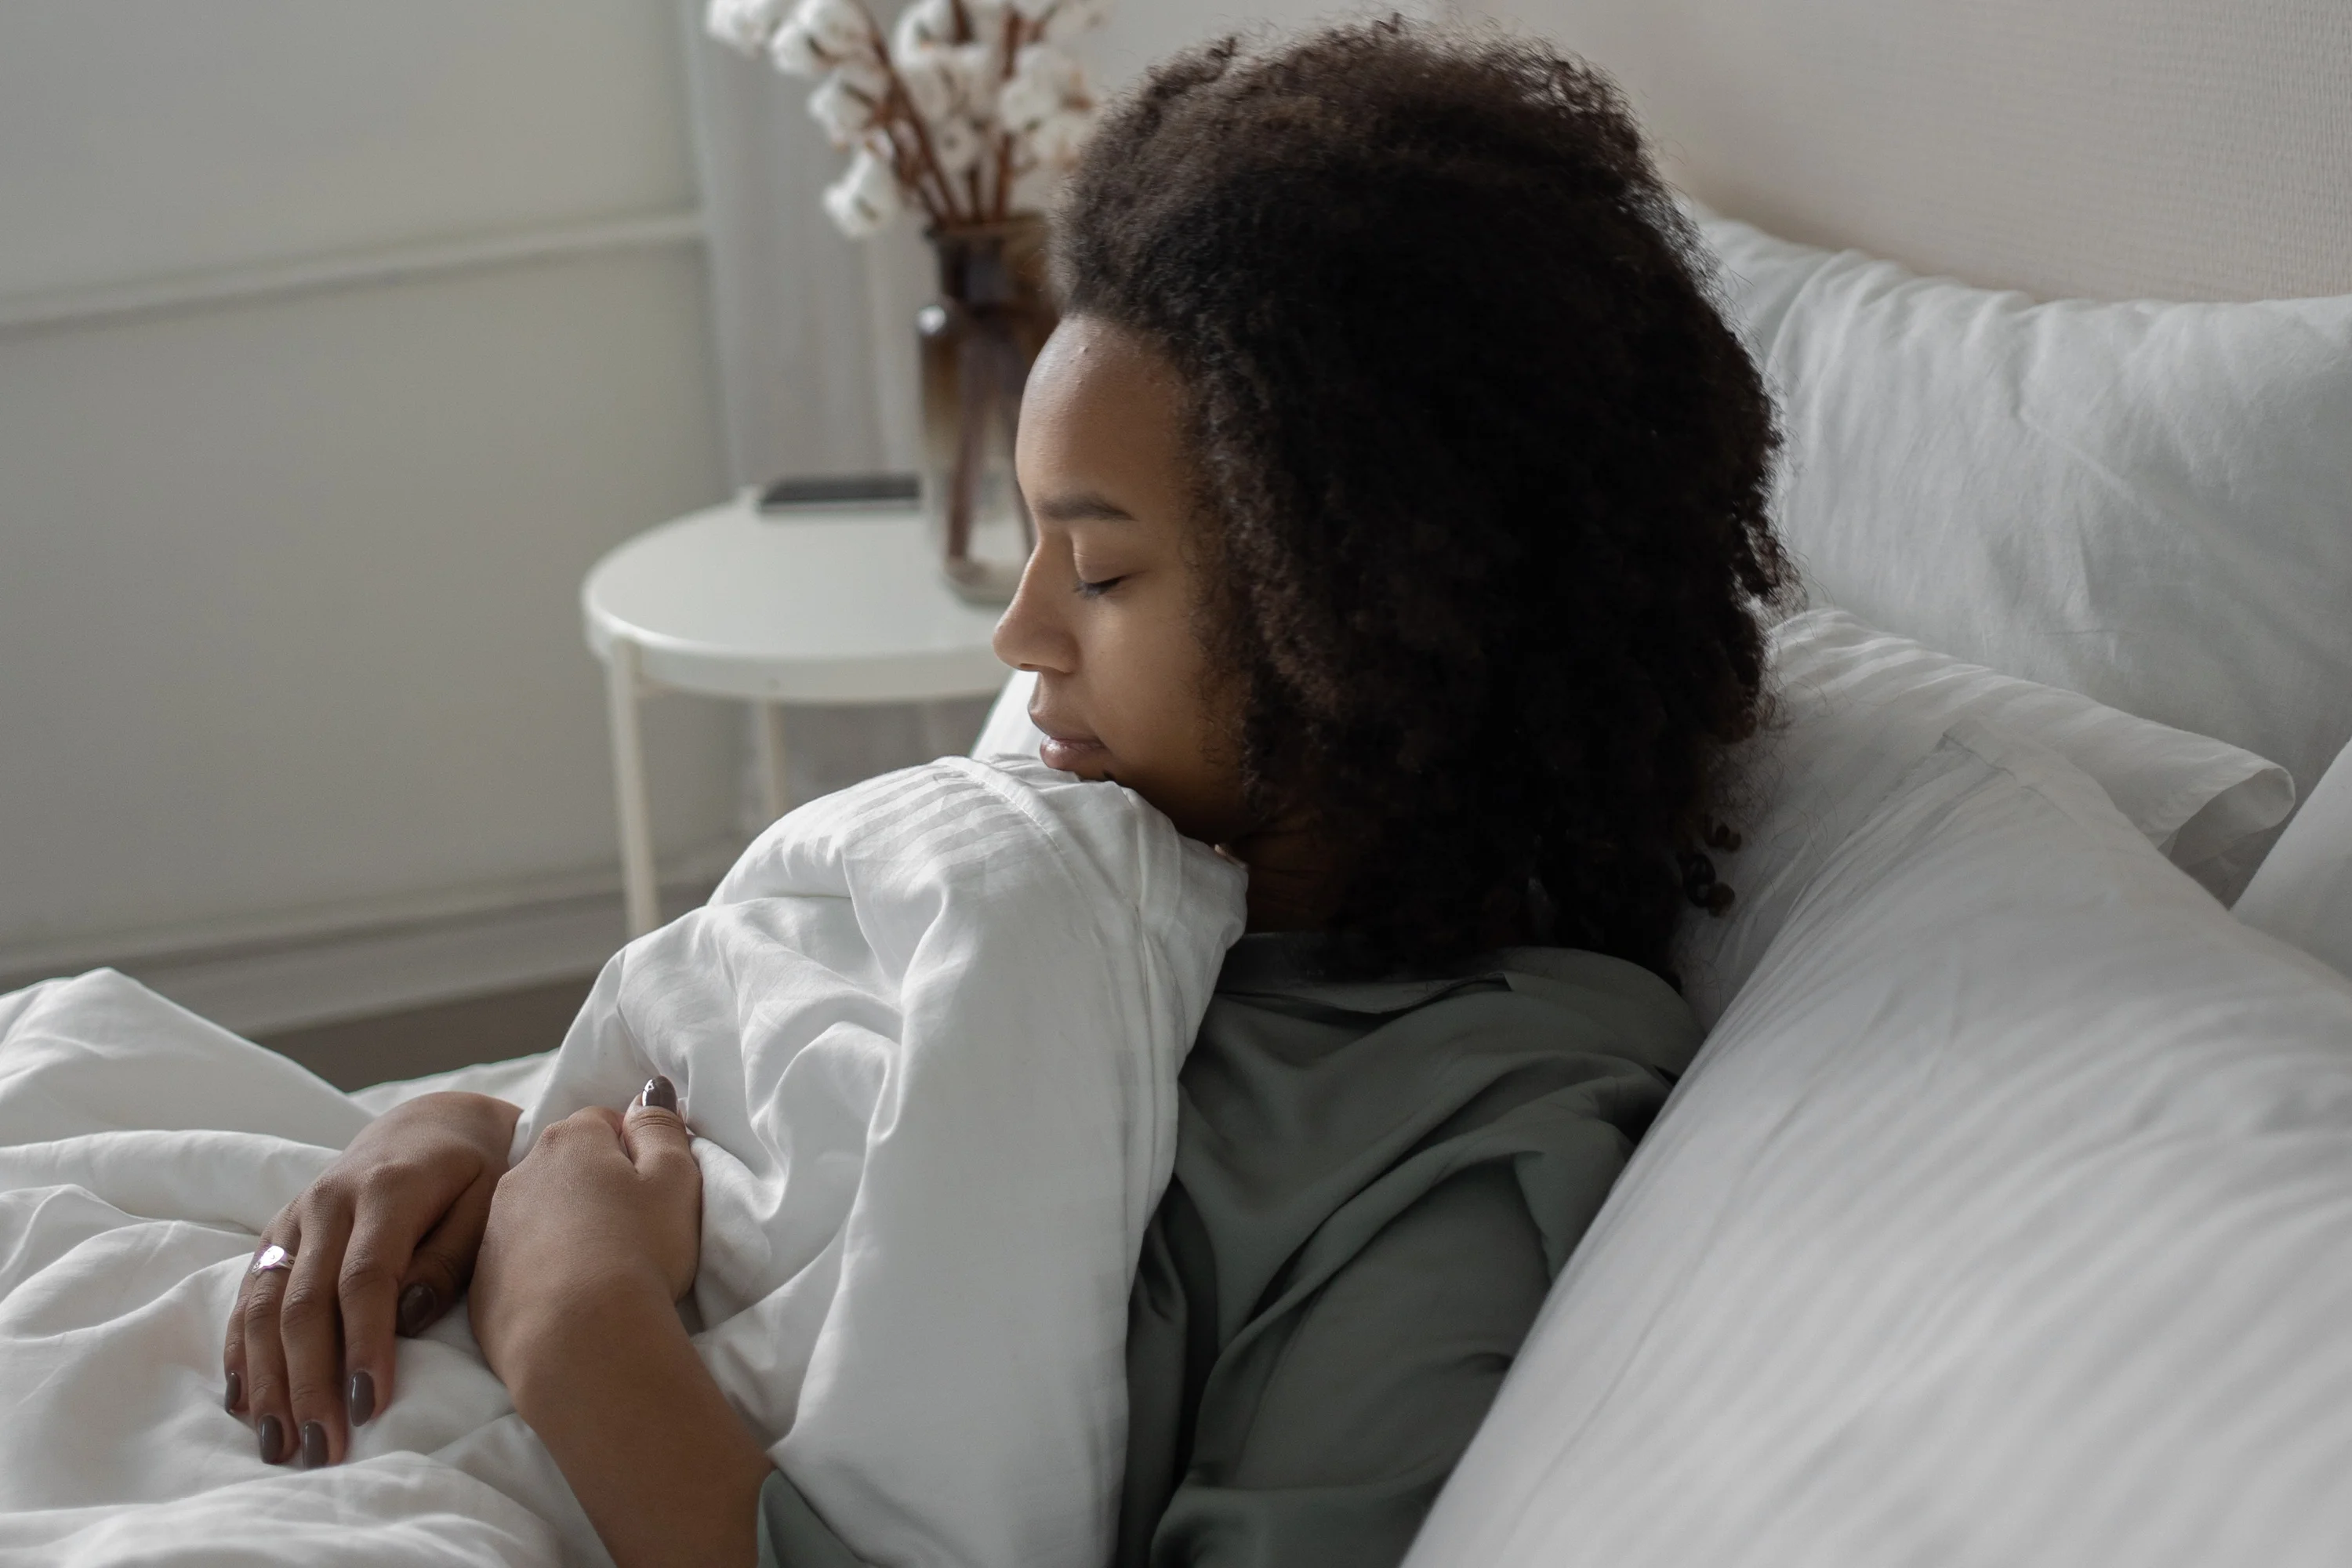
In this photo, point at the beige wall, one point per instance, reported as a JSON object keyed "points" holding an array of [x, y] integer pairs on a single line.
{"points": [[2183, 149], [335, 343]]}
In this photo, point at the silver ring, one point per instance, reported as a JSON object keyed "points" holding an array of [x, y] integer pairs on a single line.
{"points": [[272, 1259]]}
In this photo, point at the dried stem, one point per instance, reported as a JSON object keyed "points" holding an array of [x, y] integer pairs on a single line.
{"points": [[898, 109]]}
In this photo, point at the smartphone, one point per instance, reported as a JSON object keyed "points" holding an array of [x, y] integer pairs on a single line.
{"points": [[839, 489]]}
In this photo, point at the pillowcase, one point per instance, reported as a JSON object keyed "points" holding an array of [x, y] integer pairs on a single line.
{"points": [[2007, 1218], [2302, 894], [1857, 707], [2147, 504]]}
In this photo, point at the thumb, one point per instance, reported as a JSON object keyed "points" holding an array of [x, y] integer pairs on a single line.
{"points": [[653, 1132]]}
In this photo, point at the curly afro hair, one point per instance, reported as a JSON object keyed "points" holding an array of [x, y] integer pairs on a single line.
{"points": [[1482, 472]]}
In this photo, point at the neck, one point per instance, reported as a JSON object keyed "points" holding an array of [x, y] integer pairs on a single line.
{"points": [[1293, 884]]}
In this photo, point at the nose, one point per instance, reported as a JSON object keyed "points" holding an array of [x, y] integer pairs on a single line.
{"points": [[1030, 634]]}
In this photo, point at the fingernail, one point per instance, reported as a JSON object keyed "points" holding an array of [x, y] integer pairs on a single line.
{"points": [[416, 1304], [272, 1437], [359, 1398], [235, 1390], [314, 1445], [659, 1093]]}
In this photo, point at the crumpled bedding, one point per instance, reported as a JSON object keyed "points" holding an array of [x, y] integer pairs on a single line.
{"points": [[927, 1033]]}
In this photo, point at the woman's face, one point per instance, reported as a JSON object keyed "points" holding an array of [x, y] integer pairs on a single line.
{"points": [[1105, 614]]}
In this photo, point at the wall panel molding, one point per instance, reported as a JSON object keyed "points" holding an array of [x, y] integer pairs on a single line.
{"points": [[266, 282], [289, 969]]}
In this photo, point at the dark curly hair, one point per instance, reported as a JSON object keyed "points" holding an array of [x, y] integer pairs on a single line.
{"points": [[1484, 472]]}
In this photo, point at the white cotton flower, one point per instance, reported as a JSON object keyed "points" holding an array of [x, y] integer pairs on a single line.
{"points": [[865, 197], [1045, 82], [843, 112], [957, 144], [1058, 140], [864, 73], [841, 27], [745, 24], [933, 85], [920, 25], [793, 52], [976, 69], [1044, 63], [1026, 101]]}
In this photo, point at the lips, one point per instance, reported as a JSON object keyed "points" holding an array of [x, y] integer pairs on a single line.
{"points": [[1067, 748]]}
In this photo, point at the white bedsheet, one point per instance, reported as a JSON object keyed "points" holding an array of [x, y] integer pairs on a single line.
{"points": [[927, 1034]]}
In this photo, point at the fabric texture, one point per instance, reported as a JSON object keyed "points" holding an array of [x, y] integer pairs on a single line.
{"points": [[2149, 504], [2302, 894], [2004, 1219], [1375, 1185], [1855, 709], [911, 1147]]}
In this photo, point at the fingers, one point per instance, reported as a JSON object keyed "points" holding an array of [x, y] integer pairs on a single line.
{"points": [[263, 1354], [437, 1272], [233, 1353], [655, 1135], [368, 1291], [661, 1146], [310, 1325]]}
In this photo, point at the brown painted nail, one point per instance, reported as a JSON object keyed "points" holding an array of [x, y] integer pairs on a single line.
{"points": [[314, 1445], [272, 1438], [416, 1305], [235, 1390], [359, 1397], [659, 1093]]}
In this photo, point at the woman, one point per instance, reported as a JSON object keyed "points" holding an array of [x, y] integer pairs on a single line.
{"points": [[1400, 503]]}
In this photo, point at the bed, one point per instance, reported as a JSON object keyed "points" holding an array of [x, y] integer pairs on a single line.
{"points": [[2007, 1215]]}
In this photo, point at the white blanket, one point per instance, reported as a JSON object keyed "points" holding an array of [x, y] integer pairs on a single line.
{"points": [[927, 1033]]}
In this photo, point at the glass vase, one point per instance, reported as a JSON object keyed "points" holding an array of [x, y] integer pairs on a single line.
{"points": [[976, 346]]}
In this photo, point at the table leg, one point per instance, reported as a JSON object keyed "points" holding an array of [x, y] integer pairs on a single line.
{"points": [[622, 685], [771, 725]]}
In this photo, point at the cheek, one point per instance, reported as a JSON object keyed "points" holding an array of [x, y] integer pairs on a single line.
{"points": [[1176, 743]]}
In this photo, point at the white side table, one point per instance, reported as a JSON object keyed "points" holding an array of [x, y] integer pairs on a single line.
{"points": [[805, 605]]}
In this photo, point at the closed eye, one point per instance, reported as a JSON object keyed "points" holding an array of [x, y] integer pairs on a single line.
{"points": [[1097, 589]]}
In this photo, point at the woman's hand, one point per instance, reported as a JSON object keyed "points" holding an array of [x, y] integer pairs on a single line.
{"points": [[593, 1239], [382, 1243], [604, 1205]]}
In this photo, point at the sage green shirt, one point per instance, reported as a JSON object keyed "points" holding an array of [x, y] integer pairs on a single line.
{"points": [[1375, 1185]]}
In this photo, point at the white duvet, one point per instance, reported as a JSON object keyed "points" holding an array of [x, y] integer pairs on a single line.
{"points": [[927, 1033]]}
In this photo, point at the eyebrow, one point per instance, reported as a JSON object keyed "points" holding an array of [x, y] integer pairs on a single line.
{"points": [[1084, 507]]}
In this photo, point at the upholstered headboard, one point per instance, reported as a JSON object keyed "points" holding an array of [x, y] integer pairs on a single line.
{"points": [[2110, 149]]}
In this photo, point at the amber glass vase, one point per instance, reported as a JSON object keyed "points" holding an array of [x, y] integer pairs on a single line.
{"points": [[977, 345]]}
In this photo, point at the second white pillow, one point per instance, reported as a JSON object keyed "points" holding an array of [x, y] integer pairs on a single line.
{"points": [[1858, 707]]}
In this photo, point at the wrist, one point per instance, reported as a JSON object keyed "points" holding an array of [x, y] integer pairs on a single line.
{"points": [[556, 1349]]}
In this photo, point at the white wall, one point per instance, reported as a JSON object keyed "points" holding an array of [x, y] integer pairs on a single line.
{"points": [[336, 342], [298, 477]]}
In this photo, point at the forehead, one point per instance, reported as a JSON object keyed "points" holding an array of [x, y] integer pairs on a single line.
{"points": [[1099, 394]]}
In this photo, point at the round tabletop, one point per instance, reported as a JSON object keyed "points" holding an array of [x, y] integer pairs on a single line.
{"points": [[805, 605]]}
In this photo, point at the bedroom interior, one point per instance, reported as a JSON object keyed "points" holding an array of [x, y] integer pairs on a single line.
{"points": [[2029, 1037]]}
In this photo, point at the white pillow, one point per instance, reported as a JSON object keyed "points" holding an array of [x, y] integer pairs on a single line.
{"points": [[2147, 504], [1858, 708], [2006, 1220], [2302, 894]]}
